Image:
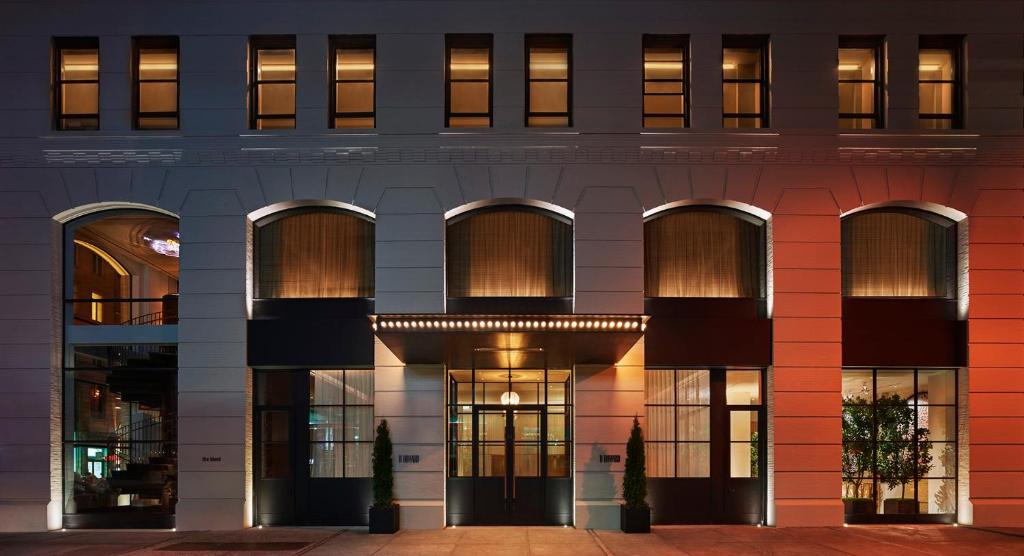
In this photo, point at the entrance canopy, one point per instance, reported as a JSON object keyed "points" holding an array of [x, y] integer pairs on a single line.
{"points": [[564, 339]]}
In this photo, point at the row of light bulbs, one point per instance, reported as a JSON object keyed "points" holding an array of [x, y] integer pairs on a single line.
{"points": [[409, 324]]}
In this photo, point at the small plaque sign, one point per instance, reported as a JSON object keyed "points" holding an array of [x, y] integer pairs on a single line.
{"points": [[609, 458], [211, 459], [408, 458]]}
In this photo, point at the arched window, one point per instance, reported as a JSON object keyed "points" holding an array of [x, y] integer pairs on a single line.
{"points": [[123, 268], [704, 251], [899, 253], [314, 252], [509, 251]]}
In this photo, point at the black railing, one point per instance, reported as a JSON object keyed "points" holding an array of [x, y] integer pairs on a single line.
{"points": [[137, 311]]}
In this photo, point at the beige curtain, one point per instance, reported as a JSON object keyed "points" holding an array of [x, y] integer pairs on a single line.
{"points": [[509, 253], [703, 253], [315, 253], [898, 254]]}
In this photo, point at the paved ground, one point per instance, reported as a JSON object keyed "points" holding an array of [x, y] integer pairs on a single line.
{"points": [[500, 541]]}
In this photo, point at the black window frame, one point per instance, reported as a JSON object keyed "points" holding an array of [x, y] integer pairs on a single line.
{"points": [[468, 40], [268, 42], [73, 43], [155, 42], [349, 42], [681, 42], [955, 44], [763, 44], [876, 43], [549, 40]]}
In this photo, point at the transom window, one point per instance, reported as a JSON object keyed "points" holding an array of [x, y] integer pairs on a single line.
{"points": [[861, 82], [272, 88], [548, 80], [666, 81], [155, 70], [744, 81], [940, 83], [76, 83], [353, 96], [468, 74]]}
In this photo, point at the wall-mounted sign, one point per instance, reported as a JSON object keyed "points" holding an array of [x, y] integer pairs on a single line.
{"points": [[408, 458], [211, 459], [609, 458]]}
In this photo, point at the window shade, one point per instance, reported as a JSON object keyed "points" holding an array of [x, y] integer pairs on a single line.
{"points": [[509, 253], [898, 254], [315, 253], [703, 253]]}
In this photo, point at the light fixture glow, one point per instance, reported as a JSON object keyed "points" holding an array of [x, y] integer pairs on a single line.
{"points": [[728, 66], [929, 67], [849, 67], [509, 398]]}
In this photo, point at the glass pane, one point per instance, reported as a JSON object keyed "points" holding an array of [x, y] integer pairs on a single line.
{"points": [[469, 63], [857, 123], [660, 425], [354, 122], [743, 387], [492, 426], [556, 393], [79, 123], [276, 98], [274, 388], [663, 63], [859, 488], [856, 98], [79, 64], [464, 393], [858, 421], [858, 386], [325, 459], [79, 98], [558, 460], [936, 64], [937, 423], [741, 63], [857, 64], [527, 460], [937, 496], [469, 98], [658, 386], [894, 497], [693, 387], [274, 426], [359, 423], [549, 96], [359, 386], [277, 123], [660, 459], [936, 386], [935, 98], [672, 87], [158, 123], [469, 121], [549, 63], [461, 427], [694, 459], [733, 123], [354, 97], [694, 423], [358, 458], [933, 123], [276, 64], [354, 64], [547, 121], [895, 386], [743, 426], [158, 63], [556, 427], [661, 121], [526, 425], [857, 463], [943, 458], [325, 423], [741, 98], [326, 387], [275, 463], [663, 104], [461, 464], [743, 460], [492, 460], [529, 392]]}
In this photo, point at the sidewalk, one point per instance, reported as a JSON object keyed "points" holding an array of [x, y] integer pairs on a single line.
{"points": [[500, 541]]}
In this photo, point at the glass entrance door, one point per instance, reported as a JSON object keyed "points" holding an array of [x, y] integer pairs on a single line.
{"points": [[511, 453]]}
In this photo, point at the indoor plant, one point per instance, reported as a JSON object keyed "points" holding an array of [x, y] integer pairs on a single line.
{"points": [[384, 512], [898, 461], [858, 427], [635, 514]]}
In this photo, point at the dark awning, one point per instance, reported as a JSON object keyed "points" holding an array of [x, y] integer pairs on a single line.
{"points": [[558, 340]]}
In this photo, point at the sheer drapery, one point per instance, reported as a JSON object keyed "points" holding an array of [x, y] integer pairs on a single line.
{"points": [[703, 253], [509, 253], [898, 254], [315, 253], [678, 426]]}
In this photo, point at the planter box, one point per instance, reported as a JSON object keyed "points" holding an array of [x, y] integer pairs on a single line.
{"points": [[858, 506], [899, 506], [635, 521], [384, 521]]}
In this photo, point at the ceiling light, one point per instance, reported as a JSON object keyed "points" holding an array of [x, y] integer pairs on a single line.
{"points": [[728, 66], [849, 67]]}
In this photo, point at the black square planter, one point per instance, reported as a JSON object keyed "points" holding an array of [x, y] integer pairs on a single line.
{"points": [[637, 520], [384, 521]]}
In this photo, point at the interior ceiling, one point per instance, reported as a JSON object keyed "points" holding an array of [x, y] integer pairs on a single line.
{"points": [[124, 236]]}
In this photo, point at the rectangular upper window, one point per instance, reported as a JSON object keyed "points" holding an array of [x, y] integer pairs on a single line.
{"points": [[155, 82], [940, 82], [76, 78], [745, 81], [666, 81], [548, 80], [272, 82], [861, 73], [353, 94], [468, 73]]}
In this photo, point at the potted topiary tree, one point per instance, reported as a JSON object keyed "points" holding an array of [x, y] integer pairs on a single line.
{"points": [[384, 512], [635, 514]]}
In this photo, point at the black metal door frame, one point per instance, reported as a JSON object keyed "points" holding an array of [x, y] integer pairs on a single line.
{"points": [[729, 493], [510, 486]]}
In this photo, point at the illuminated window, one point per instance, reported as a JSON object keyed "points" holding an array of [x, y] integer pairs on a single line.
{"points": [[272, 90], [156, 82], [666, 81], [861, 82], [940, 83], [548, 85], [340, 423], [77, 83], [353, 65], [468, 75], [744, 81], [96, 308]]}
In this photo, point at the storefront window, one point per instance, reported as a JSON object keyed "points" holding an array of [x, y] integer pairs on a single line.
{"points": [[340, 423], [678, 431]]}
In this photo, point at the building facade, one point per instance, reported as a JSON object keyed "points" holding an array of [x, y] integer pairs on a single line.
{"points": [[787, 237]]}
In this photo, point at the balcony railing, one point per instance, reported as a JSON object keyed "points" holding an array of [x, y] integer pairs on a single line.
{"points": [[139, 311]]}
